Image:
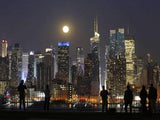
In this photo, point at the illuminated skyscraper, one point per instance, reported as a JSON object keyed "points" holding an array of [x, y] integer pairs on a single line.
{"points": [[45, 69], [120, 49], [39, 70], [80, 61], [113, 44], [30, 75], [63, 61], [24, 66], [106, 66], [130, 59], [117, 43], [16, 65], [4, 74], [49, 67], [117, 76], [3, 48], [84, 84], [95, 51], [74, 74]]}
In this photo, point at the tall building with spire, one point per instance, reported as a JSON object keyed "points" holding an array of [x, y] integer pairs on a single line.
{"points": [[3, 48], [95, 51]]}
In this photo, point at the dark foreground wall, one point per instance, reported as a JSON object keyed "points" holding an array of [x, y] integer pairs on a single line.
{"points": [[50, 115]]}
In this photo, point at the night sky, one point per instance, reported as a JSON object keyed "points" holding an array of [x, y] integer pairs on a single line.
{"points": [[36, 24]]}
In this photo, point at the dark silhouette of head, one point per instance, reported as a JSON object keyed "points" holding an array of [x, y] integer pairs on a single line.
{"points": [[103, 87], [143, 87], [47, 86], [128, 87], [151, 85], [22, 81]]}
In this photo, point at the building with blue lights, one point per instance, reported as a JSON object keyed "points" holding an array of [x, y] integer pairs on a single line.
{"points": [[63, 61]]}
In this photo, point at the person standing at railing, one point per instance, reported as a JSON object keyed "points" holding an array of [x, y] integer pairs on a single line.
{"points": [[21, 89], [47, 97], [152, 96], [128, 98], [104, 96], [143, 96]]}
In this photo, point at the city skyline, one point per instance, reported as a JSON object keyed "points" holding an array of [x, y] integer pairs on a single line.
{"points": [[31, 22]]}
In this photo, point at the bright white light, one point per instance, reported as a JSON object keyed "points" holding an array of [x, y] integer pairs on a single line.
{"points": [[65, 29], [137, 98], [31, 53]]}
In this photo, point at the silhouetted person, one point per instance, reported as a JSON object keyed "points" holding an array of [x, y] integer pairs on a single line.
{"points": [[47, 98], [143, 96], [21, 89], [128, 98], [152, 96], [104, 95]]}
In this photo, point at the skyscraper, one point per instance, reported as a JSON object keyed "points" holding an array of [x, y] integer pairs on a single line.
{"points": [[3, 48], [117, 76], [130, 59], [63, 61], [116, 65], [39, 70], [30, 75], [80, 61], [74, 74], [4, 74], [49, 67], [106, 66], [95, 51], [117, 43], [113, 44], [16, 65], [24, 66], [120, 49]]}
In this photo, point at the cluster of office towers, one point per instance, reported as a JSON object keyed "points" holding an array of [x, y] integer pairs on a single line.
{"points": [[66, 78]]}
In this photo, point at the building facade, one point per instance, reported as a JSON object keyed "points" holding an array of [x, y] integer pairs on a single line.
{"points": [[96, 69], [117, 46], [16, 65], [63, 61], [4, 74], [30, 76], [117, 76], [80, 61], [130, 59], [24, 66], [3, 48]]}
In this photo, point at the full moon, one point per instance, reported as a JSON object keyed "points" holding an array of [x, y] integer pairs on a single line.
{"points": [[65, 29]]}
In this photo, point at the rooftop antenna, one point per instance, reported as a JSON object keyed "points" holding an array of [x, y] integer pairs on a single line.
{"points": [[96, 24]]}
